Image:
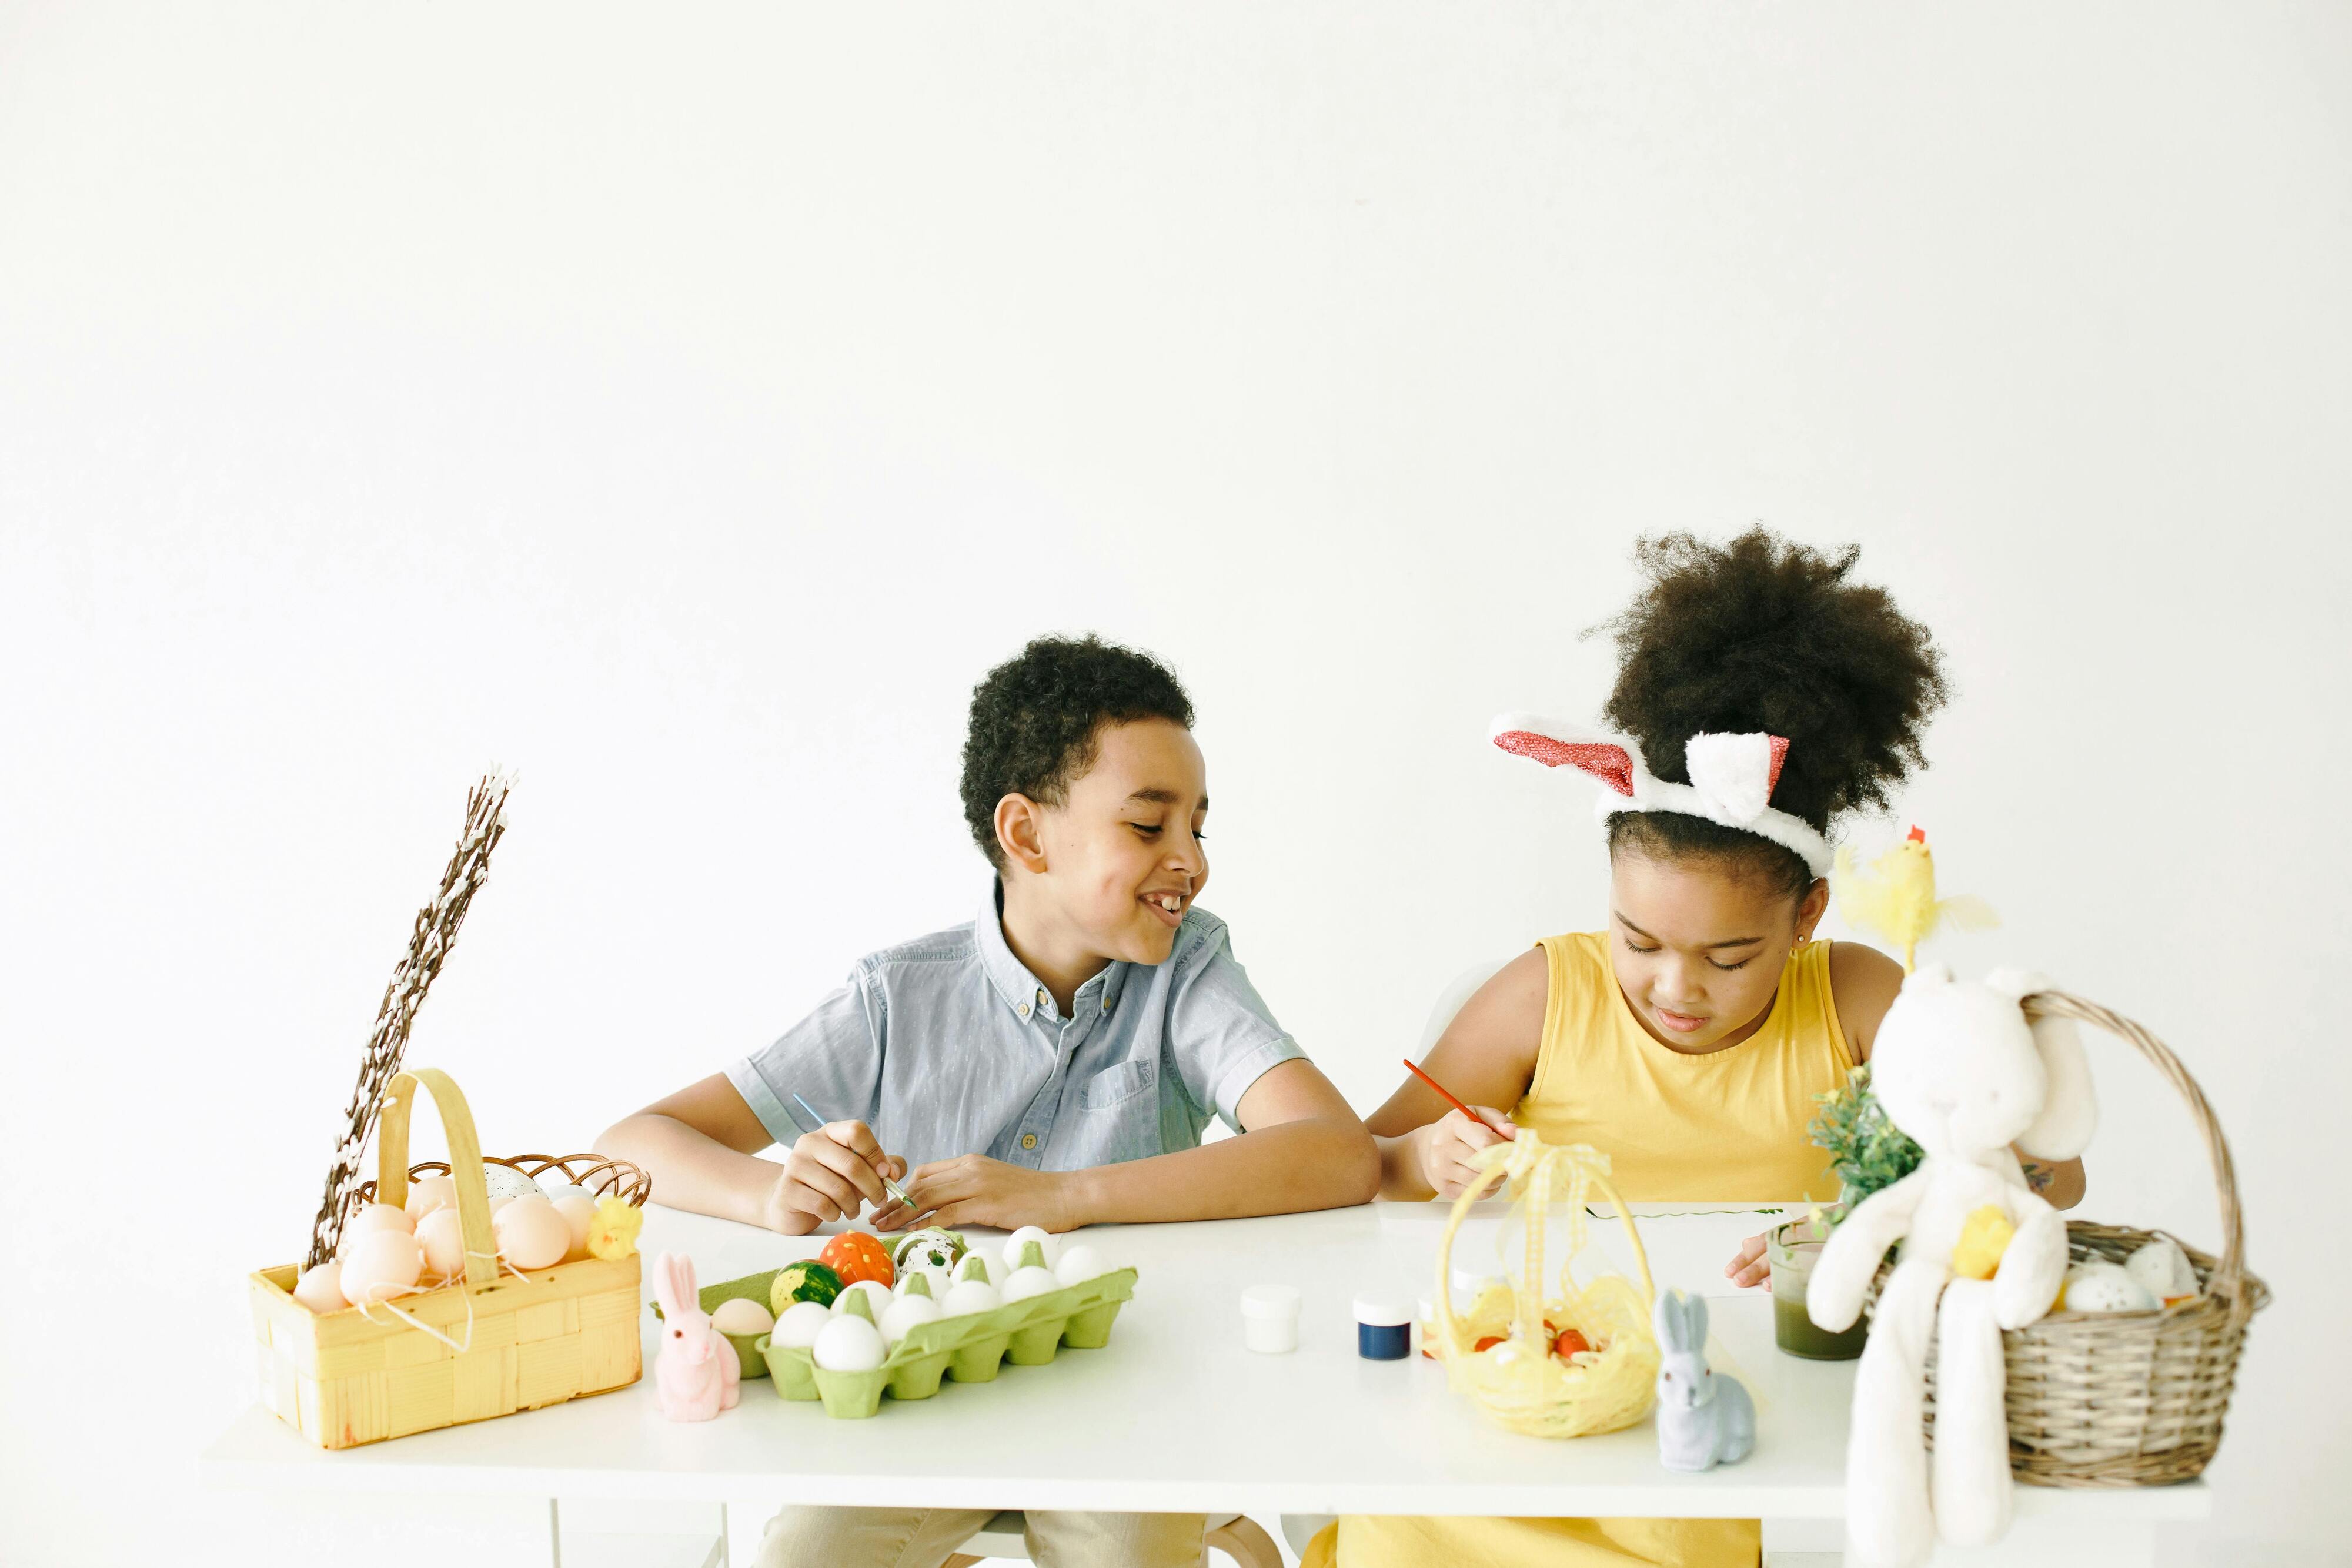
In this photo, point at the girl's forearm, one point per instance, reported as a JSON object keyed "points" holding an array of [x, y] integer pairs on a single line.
{"points": [[691, 1171], [2059, 1183], [1288, 1168], [1402, 1176]]}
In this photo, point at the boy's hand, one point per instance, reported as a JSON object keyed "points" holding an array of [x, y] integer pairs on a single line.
{"points": [[972, 1189], [830, 1174], [1447, 1143], [1748, 1265]]}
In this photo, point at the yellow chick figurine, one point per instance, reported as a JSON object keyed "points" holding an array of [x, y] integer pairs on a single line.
{"points": [[613, 1234], [1895, 897], [1984, 1237]]}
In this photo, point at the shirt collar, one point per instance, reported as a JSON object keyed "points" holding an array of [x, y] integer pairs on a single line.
{"points": [[1019, 988]]}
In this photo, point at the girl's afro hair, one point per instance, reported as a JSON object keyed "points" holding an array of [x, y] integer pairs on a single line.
{"points": [[1764, 635]]}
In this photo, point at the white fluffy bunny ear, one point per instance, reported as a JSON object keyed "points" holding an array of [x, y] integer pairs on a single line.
{"points": [[1608, 759], [1735, 774], [2070, 1108]]}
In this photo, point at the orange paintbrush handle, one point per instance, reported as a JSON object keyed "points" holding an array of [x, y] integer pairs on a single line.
{"points": [[1442, 1092]]}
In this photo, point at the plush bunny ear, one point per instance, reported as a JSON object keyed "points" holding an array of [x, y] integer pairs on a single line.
{"points": [[666, 1285], [1609, 760], [1735, 774], [1673, 1320], [2070, 1109]]}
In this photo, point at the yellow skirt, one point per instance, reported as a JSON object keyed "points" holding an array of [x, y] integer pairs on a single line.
{"points": [[1406, 1542]]}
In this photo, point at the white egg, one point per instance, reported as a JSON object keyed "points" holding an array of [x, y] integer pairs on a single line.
{"points": [[904, 1313], [321, 1289], [426, 1194], [578, 1213], [1028, 1282], [849, 1344], [531, 1234], [441, 1233], [505, 1181], [1021, 1238], [558, 1193], [968, 1296], [877, 1294], [741, 1316], [800, 1325], [2163, 1271], [381, 1264], [974, 1267], [2103, 1288], [1079, 1264]]}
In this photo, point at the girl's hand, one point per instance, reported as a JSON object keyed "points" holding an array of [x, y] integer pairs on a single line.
{"points": [[830, 1174], [1446, 1145], [1748, 1265], [972, 1189]]}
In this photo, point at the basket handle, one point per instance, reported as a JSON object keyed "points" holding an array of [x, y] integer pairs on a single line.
{"points": [[2228, 1278], [464, 1163], [1498, 1175]]}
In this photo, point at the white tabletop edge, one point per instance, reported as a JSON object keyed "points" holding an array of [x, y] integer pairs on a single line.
{"points": [[1433, 1456]]}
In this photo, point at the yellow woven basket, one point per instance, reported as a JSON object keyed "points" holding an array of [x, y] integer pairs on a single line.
{"points": [[1519, 1384], [489, 1344]]}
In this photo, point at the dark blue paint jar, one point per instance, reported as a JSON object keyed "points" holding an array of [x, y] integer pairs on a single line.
{"points": [[1383, 1330]]}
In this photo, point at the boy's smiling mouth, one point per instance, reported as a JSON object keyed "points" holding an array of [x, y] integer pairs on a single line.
{"points": [[1167, 905]]}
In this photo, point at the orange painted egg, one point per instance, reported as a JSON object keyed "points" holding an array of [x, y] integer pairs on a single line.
{"points": [[855, 1255]]}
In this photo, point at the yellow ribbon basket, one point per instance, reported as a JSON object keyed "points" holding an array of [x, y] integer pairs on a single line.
{"points": [[1519, 1384]]}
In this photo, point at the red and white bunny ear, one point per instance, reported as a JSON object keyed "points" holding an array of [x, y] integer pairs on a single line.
{"points": [[1735, 774], [1609, 759]]}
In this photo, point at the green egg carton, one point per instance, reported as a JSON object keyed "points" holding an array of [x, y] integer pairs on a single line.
{"points": [[969, 1349], [748, 1346]]}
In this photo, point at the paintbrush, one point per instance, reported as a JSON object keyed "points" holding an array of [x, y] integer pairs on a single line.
{"points": [[1447, 1095], [892, 1187]]}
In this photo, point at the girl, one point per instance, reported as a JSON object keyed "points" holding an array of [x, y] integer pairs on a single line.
{"points": [[1687, 1040]]}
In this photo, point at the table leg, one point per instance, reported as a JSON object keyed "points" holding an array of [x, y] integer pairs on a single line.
{"points": [[555, 1534]]}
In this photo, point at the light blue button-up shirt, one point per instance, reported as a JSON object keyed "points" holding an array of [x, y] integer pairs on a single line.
{"points": [[947, 1045]]}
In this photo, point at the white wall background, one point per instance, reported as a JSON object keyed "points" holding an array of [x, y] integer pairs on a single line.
{"points": [[685, 406]]}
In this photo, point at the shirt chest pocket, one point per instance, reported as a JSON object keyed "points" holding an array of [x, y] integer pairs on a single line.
{"points": [[1117, 1085]]}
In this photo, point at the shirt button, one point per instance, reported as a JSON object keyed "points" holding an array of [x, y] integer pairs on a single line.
{"points": [[1028, 1140], [1024, 1009]]}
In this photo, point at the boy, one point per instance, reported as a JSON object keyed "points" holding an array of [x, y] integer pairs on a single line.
{"points": [[1051, 1063]]}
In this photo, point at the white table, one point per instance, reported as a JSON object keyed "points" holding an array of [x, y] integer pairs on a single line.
{"points": [[1175, 1415]]}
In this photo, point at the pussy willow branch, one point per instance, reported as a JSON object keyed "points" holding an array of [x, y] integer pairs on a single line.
{"points": [[429, 941]]}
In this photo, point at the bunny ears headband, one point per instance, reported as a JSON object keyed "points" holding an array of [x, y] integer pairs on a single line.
{"points": [[1731, 778]]}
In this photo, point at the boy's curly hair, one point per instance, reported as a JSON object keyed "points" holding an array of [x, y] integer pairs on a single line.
{"points": [[1036, 717], [1764, 635]]}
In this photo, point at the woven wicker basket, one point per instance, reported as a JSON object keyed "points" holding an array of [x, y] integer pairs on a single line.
{"points": [[499, 1343], [2127, 1399]]}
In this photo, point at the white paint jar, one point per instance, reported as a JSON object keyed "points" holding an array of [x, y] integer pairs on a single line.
{"points": [[1270, 1319]]}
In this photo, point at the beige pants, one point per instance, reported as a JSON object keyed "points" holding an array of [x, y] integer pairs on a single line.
{"points": [[925, 1537]]}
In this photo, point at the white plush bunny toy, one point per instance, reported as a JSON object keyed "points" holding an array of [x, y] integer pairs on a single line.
{"points": [[1957, 1067]]}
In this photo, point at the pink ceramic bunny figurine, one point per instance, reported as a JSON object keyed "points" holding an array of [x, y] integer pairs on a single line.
{"points": [[697, 1376]]}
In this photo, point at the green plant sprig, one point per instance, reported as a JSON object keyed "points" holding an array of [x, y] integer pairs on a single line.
{"points": [[1867, 1151]]}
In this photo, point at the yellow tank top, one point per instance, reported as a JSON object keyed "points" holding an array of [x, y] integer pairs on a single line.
{"points": [[1729, 1124]]}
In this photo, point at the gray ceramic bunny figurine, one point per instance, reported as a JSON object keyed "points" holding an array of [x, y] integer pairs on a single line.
{"points": [[1704, 1420]]}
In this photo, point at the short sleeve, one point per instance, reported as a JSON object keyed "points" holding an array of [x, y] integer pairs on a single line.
{"points": [[832, 1059], [1220, 1031]]}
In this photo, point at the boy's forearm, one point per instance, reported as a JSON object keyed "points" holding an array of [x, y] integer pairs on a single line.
{"points": [[692, 1171], [1288, 1169]]}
